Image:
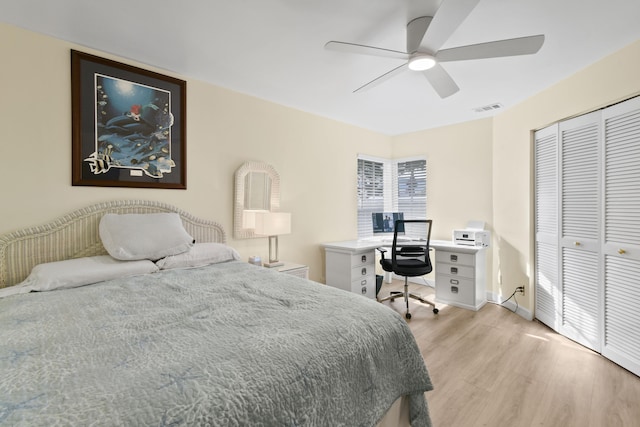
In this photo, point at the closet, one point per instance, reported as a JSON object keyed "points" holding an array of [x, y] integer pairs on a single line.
{"points": [[587, 230]]}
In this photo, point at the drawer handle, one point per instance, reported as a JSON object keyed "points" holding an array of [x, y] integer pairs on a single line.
{"points": [[364, 290], [454, 270], [364, 282], [364, 258], [454, 289], [454, 258], [364, 271], [454, 281]]}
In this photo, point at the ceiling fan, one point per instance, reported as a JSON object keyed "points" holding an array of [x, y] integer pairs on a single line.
{"points": [[425, 36]]}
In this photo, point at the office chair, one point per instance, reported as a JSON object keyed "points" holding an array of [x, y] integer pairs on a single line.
{"points": [[408, 259]]}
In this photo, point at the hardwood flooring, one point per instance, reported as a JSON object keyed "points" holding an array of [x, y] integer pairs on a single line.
{"points": [[494, 368]]}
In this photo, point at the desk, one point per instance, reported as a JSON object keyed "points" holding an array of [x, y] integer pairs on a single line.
{"points": [[460, 270]]}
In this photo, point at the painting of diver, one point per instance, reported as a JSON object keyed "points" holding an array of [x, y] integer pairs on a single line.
{"points": [[130, 137]]}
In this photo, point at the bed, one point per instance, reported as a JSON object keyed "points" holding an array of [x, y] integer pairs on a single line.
{"points": [[220, 344]]}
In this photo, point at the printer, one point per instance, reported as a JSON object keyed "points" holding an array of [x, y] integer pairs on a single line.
{"points": [[473, 235]]}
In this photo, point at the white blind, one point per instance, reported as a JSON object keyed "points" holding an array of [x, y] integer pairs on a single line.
{"points": [[370, 193], [411, 194], [386, 185]]}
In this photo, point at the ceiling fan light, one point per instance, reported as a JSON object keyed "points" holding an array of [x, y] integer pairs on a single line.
{"points": [[422, 62]]}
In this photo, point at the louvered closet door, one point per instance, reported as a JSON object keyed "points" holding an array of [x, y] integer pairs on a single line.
{"points": [[546, 225], [622, 234], [580, 228]]}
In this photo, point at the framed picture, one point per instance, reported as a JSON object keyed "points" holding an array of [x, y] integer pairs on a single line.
{"points": [[128, 125]]}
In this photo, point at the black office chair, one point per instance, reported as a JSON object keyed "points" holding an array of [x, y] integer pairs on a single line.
{"points": [[408, 259]]}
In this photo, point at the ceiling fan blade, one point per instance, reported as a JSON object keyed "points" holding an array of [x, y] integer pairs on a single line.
{"points": [[383, 78], [509, 47], [447, 19], [415, 32], [365, 50], [441, 81]]}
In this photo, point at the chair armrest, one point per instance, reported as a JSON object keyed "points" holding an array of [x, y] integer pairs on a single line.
{"points": [[382, 251]]}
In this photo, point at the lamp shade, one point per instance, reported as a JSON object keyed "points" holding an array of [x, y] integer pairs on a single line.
{"points": [[272, 223]]}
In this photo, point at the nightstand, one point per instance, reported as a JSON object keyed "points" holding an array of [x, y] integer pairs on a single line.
{"points": [[298, 270]]}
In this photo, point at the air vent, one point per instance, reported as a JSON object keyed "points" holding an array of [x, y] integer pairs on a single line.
{"points": [[490, 107]]}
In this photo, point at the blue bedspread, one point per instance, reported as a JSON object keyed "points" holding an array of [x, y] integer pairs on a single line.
{"points": [[226, 345]]}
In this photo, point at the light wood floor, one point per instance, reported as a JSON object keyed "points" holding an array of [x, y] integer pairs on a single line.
{"points": [[494, 368]]}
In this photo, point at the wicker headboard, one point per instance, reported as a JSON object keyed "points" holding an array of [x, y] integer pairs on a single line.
{"points": [[76, 235]]}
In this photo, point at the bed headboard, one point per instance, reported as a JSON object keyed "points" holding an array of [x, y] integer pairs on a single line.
{"points": [[76, 235]]}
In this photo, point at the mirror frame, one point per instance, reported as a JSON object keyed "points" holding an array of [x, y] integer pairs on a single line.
{"points": [[239, 232]]}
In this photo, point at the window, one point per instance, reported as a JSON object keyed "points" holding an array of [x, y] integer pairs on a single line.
{"points": [[398, 185]]}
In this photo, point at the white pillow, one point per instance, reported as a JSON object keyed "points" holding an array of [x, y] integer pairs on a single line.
{"points": [[79, 272], [144, 236], [199, 255]]}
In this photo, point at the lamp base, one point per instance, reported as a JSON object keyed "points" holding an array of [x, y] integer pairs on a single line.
{"points": [[273, 253], [273, 264]]}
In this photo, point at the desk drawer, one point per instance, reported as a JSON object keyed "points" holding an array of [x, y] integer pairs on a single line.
{"points": [[455, 289], [463, 271], [362, 271], [368, 258], [455, 258], [366, 286]]}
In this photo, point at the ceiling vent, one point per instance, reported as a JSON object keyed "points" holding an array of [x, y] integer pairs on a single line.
{"points": [[490, 107]]}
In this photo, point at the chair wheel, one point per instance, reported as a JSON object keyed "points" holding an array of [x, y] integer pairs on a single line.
{"points": [[392, 299], [435, 310], [408, 315]]}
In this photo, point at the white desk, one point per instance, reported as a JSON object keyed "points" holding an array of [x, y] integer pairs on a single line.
{"points": [[460, 270]]}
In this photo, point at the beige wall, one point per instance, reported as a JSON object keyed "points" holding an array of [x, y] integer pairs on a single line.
{"points": [[476, 170], [224, 129], [459, 173], [490, 162], [608, 81]]}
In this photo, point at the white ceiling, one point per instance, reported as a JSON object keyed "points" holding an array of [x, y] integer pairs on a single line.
{"points": [[274, 49]]}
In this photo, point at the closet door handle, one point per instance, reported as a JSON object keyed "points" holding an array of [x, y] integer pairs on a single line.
{"points": [[622, 251], [576, 243]]}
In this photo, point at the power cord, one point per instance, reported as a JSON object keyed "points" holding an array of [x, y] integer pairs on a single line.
{"points": [[513, 295]]}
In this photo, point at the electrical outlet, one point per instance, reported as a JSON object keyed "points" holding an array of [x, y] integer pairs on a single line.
{"points": [[520, 289]]}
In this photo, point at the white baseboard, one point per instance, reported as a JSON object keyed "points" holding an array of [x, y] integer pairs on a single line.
{"points": [[511, 305], [491, 297]]}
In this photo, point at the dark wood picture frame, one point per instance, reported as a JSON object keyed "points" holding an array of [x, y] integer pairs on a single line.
{"points": [[128, 125]]}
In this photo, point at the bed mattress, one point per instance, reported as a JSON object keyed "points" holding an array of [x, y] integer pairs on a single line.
{"points": [[229, 344]]}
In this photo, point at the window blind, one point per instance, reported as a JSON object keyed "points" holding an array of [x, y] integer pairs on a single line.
{"points": [[411, 193], [386, 185], [370, 193]]}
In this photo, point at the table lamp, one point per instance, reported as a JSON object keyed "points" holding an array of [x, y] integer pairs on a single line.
{"points": [[272, 224]]}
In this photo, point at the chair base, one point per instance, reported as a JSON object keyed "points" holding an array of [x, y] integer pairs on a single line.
{"points": [[406, 294]]}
